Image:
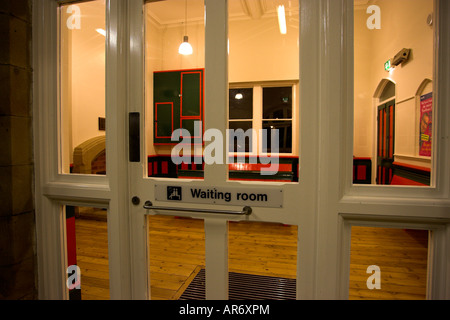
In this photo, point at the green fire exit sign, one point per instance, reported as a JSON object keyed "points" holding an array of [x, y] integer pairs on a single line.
{"points": [[387, 65]]}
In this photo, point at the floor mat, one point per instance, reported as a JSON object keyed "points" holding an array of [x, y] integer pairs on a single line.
{"points": [[245, 287]]}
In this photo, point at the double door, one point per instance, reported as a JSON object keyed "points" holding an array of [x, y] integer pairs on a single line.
{"points": [[323, 204]]}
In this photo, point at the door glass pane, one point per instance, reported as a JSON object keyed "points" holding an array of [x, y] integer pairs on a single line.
{"points": [[177, 256], [82, 87], [262, 261], [393, 92], [388, 264], [263, 65], [87, 253], [174, 88]]}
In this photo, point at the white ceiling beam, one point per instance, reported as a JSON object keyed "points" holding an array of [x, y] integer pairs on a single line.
{"points": [[254, 8]]}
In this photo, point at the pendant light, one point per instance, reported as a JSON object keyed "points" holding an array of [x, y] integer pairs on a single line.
{"points": [[185, 48]]}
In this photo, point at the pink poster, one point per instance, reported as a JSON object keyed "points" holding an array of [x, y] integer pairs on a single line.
{"points": [[426, 112]]}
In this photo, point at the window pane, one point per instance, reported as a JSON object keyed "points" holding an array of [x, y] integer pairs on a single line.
{"points": [[87, 253], [262, 260], [393, 91], [277, 103], [174, 87], [284, 136], [264, 57], [388, 264], [176, 256], [82, 83], [242, 137], [241, 103]]}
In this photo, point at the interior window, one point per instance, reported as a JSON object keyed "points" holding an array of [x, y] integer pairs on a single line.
{"points": [[393, 92], [241, 118], [241, 103], [277, 114]]}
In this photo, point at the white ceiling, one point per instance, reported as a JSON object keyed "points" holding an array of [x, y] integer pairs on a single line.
{"points": [[167, 12]]}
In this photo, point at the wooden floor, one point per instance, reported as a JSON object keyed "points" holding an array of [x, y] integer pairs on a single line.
{"points": [[177, 252]]}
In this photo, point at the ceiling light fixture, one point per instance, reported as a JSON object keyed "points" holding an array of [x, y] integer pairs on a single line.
{"points": [[185, 48], [282, 19]]}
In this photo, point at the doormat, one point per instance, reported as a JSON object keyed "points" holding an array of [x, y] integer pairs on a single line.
{"points": [[245, 287]]}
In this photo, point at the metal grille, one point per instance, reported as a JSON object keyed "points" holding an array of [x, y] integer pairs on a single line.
{"points": [[245, 287]]}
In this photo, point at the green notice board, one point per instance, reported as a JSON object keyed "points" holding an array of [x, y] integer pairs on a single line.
{"points": [[178, 102]]}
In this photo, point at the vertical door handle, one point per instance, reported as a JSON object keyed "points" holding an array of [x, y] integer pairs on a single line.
{"points": [[134, 145]]}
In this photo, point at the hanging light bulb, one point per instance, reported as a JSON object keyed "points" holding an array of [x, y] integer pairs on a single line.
{"points": [[185, 48]]}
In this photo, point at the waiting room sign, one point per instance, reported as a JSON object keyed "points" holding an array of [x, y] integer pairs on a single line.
{"points": [[236, 196]]}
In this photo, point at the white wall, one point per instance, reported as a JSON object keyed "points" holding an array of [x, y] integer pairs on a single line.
{"points": [[88, 73], [364, 117], [258, 52]]}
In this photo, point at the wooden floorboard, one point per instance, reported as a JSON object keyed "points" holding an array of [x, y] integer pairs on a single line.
{"points": [[177, 252]]}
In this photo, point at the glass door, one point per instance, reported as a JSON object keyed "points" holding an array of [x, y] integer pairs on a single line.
{"points": [[214, 146]]}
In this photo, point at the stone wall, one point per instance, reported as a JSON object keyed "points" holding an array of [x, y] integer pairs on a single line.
{"points": [[17, 215]]}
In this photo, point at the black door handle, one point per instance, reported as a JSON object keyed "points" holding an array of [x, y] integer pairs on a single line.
{"points": [[134, 145]]}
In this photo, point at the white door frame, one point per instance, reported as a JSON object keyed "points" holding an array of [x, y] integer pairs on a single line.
{"points": [[330, 203]]}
